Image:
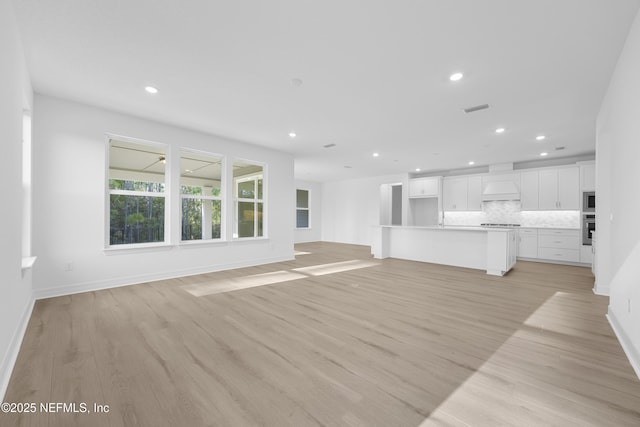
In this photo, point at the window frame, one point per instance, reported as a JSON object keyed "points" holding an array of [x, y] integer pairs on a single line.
{"points": [[308, 209], [165, 195], [221, 198], [255, 200]]}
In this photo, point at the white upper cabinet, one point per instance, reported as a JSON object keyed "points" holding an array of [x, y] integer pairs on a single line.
{"points": [[588, 177], [559, 189], [424, 187], [529, 190], [474, 196], [455, 193]]}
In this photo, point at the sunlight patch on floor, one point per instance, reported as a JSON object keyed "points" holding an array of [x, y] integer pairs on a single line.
{"points": [[245, 282], [335, 267], [296, 253]]}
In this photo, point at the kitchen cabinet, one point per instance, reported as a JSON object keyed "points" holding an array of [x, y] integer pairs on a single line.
{"points": [[559, 244], [528, 243], [501, 252], [424, 187], [587, 177], [586, 254], [529, 190], [559, 189], [455, 193], [462, 193], [474, 195]]}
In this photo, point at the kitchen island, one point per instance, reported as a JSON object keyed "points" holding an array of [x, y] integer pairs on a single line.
{"points": [[490, 249]]}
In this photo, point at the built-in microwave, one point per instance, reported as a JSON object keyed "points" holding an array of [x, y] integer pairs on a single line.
{"points": [[589, 201]]}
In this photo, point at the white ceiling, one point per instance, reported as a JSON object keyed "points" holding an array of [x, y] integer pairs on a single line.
{"points": [[375, 73]]}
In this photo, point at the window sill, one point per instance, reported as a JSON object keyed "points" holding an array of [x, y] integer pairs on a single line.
{"points": [[27, 262], [137, 248], [249, 239], [303, 228], [200, 243]]}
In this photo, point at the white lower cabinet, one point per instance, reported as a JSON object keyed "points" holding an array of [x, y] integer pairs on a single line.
{"points": [[528, 243], [586, 254], [559, 244]]}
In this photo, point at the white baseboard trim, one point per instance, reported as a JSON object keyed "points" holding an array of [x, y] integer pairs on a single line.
{"points": [[143, 278], [625, 342], [11, 355]]}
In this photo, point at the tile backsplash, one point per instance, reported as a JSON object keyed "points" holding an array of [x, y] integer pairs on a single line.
{"points": [[509, 212]]}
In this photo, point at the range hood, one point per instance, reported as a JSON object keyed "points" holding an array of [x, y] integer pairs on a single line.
{"points": [[500, 190]]}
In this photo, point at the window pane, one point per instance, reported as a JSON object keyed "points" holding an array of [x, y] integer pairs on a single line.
{"points": [[136, 167], [302, 218], [246, 189], [248, 184], [136, 219], [246, 214], [200, 174], [201, 219], [260, 219], [302, 198]]}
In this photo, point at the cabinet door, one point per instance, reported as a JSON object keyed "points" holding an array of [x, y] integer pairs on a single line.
{"points": [[416, 187], [529, 190], [569, 188], [587, 177], [548, 189], [474, 193], [528, 246], [431, 186], [455, 194]]}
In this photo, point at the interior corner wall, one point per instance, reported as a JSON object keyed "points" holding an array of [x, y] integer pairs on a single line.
{"points": [[351, 208], [16, 298], [313, 233], [618, 204], [69, 154]]}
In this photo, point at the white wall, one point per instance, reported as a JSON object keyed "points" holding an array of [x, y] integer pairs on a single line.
{"points": [[16, 298], [69, 202], [351, 208], [312, 234], [617, 190]]}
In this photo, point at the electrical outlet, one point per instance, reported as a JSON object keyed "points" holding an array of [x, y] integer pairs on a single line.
{"points": [[68, 266]]}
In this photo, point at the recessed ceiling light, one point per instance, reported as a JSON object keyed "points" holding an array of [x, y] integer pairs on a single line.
{"points": [[417, 169], [292, 134], [151, 89], [455, 77], [471, 163], [499, 130], [376, 154], [296, 82], [540, 137], [544, 154], [347, 167]]}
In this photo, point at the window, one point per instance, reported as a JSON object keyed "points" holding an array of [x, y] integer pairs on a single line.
{"points": [[201, 196], [249, 203], [136, 185], [302, 208]]}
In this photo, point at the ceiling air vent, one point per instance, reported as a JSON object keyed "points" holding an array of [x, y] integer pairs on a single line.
{"points": [[476, 108]]}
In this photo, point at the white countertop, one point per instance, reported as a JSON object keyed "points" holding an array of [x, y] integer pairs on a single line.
{"points": [[450, 228]]}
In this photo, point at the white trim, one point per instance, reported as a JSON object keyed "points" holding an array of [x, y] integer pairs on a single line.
{"points": [[143, 278], [136, 247], [627, 345], [27, 262], [11, 355]]}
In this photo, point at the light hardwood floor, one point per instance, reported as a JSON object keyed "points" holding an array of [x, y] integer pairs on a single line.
{"points": [[380, 343]]}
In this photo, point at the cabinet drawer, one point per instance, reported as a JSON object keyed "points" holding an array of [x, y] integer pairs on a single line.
{"points": [[528, 231], [559, 254], [558, 241], [558, 232]]}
